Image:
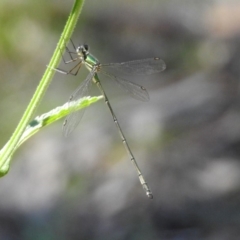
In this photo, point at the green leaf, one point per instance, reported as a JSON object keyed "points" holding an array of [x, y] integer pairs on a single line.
{"points": [[46, 119]]}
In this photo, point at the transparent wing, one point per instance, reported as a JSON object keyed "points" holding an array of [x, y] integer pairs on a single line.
{"points": [[142, 67], [134, 90], [73, 119]]}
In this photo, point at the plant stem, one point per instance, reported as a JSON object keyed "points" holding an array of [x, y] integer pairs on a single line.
{"points": [[41, 89]]}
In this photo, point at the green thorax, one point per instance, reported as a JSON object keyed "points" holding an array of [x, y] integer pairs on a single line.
{"points": [[91, 61]]}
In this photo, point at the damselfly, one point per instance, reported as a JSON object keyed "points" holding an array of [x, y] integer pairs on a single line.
{"points": [[82, 56]]}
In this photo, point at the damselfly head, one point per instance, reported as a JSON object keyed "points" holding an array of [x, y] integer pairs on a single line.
{"points": [[82, 49]]}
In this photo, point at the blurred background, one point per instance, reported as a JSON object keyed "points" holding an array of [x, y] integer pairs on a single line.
{"points": [[186, 139]]}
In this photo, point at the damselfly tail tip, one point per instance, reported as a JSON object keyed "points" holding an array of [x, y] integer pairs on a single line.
{"points": [[150, 195]]}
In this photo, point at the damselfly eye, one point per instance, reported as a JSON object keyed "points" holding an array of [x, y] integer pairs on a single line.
{"points": [[85, 47], [79, 49]]}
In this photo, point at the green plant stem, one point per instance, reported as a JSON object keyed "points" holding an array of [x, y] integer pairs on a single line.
{"points": [[42, 87], [50, 117]]}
